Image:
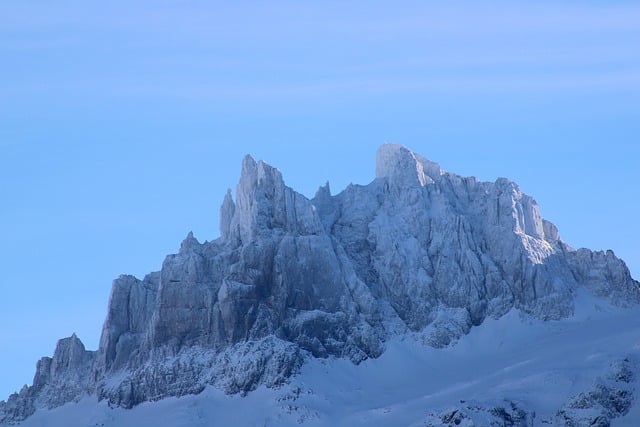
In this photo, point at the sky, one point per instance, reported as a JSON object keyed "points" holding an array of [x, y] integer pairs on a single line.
{"points": [[122, 124]]}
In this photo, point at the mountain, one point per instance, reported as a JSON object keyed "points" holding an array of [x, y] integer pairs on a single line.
{"points": [[418, 254]]}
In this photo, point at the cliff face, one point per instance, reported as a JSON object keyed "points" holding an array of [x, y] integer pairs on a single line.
{"points": [[418, 250]]}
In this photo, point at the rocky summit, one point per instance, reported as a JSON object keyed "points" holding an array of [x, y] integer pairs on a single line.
{"points": [[418, 252]]}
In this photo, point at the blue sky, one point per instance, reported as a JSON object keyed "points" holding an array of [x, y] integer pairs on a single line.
{"points": [[122, 126]]}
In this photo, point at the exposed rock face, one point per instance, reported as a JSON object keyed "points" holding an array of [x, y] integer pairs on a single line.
{"points": [[418, 249], [609, 398], [506, 413], [128, 316], [63, 378]]}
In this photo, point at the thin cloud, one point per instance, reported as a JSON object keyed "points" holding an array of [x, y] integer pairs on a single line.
{"points": [[584, 82]]}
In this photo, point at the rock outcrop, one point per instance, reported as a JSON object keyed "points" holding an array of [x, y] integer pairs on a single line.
{"points": [[63, 378], [417, 250], [610, 397], [470, 414]]}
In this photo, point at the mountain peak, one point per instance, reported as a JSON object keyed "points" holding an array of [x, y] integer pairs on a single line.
{"points": [[258, 173], [417, 252], [401, 166], [264, 203], [189, 243]]}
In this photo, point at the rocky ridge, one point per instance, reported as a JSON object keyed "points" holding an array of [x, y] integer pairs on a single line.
{"points": [[418, 251]]}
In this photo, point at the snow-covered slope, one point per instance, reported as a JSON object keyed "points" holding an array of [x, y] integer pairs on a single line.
{"points": [[539, 367], [374, 290]]}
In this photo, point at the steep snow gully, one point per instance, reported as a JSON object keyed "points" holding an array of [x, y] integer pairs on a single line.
{"points": [[422, 298]]}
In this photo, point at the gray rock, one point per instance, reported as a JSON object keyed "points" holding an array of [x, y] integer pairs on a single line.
{"points": [[417, 250], [60, 379], [610, 397], [494, 414]]}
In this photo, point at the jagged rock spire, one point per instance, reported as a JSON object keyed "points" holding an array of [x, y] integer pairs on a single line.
{"points": [[264, 204]]}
